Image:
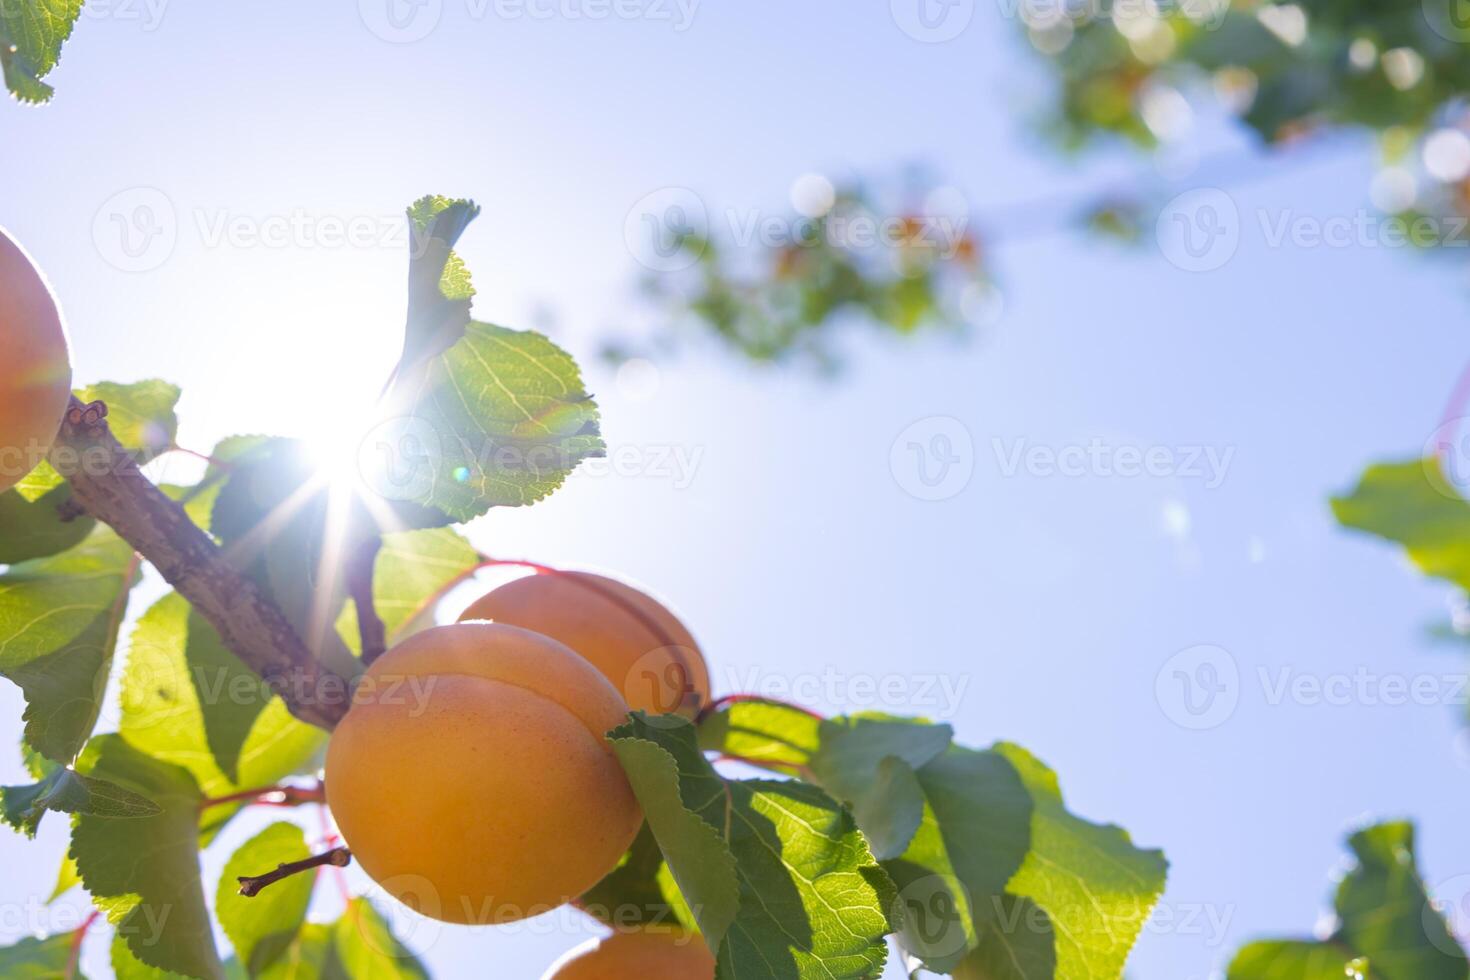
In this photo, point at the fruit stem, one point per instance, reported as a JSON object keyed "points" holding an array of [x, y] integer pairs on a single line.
{"points": [[251, 885], [270, 796], [74, 955]]}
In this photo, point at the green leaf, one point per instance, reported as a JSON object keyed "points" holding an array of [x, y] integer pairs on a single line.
{"points": [[868, 762], [59, 620], [1288, 960], [412, 568], [989, 866], [31, 529], [481, 416], [1095, 888], [1385, 911], [310, 956], [229, 696], [764, 733], [262, 928], [439, 288], [809, 898], [144, 873], [640, 891], [183, 697], [499, 419], [1413, 505], [367, 950], [953, 879], [38, 959], [1387, 923], [66, 878], [67, 791], [31, 35]]}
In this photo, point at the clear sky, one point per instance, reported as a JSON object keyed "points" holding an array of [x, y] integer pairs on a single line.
{"points": [[1028, 604]]}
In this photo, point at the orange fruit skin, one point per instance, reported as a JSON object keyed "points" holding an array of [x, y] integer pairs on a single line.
{"points": [[471, 779], [635, 641], [35, 371], [638, 955]]}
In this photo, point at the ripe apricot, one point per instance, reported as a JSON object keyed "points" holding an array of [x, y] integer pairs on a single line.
{"points": [[635, 641], [35, 373], [644, 954], [471, 778]]}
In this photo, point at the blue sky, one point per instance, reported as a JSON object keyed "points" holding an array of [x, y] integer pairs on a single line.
{"points": [[1048, 605]]}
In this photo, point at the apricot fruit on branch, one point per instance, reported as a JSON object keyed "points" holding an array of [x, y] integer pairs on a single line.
{"points": [[648, 954], [471, 778], [635, 641], [35, 373]]}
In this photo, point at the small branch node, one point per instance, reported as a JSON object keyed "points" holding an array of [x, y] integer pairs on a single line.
{"points": [[337, 857]]}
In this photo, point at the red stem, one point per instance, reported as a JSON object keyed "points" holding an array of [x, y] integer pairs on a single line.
{"points": [[77, 938], [270, 796]]}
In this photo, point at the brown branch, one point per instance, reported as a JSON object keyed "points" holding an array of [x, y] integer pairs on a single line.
{"points": [[107, 484], [360, 586], [337, 857], [270, 796]]}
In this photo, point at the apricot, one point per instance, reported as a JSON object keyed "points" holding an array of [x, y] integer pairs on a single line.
{"points": [[635, 641], [471, 779], [644, 954], [35, 373]]}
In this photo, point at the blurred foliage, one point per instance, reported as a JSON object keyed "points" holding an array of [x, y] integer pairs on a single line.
{"points": [[1386, 926], [1144, 71], [779, 288]]}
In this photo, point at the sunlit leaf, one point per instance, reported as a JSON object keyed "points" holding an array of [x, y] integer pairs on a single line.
{"points": [[809, 900], [156, 904], [59, 620], [263, 927]]}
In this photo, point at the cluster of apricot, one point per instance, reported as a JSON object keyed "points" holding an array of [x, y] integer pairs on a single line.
{"points": [[35, 372], [491, 793]]}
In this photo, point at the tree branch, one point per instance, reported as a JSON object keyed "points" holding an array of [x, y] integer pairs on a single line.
{"points": [[250, 886], [107, 484], [370, 626]]}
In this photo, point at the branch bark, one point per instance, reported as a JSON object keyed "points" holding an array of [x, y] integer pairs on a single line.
{"points": [[370, 628], [107, 484], [337, 857]]}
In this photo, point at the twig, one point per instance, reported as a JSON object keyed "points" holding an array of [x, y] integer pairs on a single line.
{"points": [[337, 857], [270, 796], [359, 575], [107, 484]]}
